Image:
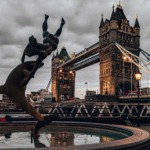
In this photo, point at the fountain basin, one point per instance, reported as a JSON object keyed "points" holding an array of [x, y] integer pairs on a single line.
{"points": [[127, 137]]}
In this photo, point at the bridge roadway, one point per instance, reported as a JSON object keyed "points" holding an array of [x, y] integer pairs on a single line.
{"points": [[86, 54], [86, 57]]}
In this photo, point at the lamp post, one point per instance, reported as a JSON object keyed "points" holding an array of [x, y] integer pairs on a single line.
{"points": [[138, 76], [124, 59]]}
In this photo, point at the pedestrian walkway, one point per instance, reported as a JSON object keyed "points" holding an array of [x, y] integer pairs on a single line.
{"points": [[146, 127]]}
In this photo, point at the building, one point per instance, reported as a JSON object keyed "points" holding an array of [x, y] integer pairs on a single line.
{"points": [[145, 90], [41, 95], [6, 102], [116, 72], [89, 93], [63, 79]]}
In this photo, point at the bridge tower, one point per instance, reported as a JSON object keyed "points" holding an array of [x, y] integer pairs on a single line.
{"points": [[63, 79], [116, 73]]}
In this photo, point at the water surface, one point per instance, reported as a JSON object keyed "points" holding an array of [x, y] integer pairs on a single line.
{"points": [[55, 137]]}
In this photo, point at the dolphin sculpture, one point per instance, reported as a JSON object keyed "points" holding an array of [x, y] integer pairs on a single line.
{"points": [[14, 89]]}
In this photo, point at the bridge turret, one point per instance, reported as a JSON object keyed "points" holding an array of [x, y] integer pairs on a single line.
{"points": [[102, 22], [137, 26], [113, 20], [137, 33], [117, 29], [103, 32], [63, 78]]}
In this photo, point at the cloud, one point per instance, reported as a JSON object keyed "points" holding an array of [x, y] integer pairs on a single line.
{"points": [[21, 19]]}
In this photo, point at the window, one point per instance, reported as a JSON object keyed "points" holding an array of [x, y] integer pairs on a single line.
{"points": [[123, 28]]}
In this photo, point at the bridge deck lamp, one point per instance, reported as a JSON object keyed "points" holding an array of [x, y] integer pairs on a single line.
{"points": [[60, 70], [138, 77], [71, 72]]}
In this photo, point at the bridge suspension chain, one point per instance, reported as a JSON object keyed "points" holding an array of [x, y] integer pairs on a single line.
{"points": [[48, 84], [135, 59]]}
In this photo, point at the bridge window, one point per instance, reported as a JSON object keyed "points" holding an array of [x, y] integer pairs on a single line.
{"points": [[128, 38], [108, 71], [104, 72], [107, 36], [65, 86], [104, 57], [126, 28], [65, 75], [123, 28], [104, 38], [107, 56], [121, 36]]}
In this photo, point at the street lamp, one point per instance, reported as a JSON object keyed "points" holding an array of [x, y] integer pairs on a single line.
{"points": [[138, 76], [124, 59]]}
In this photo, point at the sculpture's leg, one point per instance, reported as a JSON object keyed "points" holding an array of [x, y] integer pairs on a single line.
{"points": [[45, 25], [58, 32]]}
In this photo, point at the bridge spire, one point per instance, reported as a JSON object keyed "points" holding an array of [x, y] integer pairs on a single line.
{"points": [[113, 15], [136, 25], [102, 21], [119, 5]]}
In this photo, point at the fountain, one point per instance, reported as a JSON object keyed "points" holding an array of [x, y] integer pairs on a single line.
{"points": [[58, 135], [76, 136]]}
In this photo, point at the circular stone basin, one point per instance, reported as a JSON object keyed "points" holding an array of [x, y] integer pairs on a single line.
{"points": [[76, 136]]}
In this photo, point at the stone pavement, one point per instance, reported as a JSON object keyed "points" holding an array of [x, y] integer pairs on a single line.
{"points": [[145, 127]]}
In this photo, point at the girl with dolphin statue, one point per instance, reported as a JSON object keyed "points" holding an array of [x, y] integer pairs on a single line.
{"points": [[16, 82]]}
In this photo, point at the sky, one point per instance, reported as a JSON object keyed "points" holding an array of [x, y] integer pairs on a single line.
{"points": [[20, 19]]}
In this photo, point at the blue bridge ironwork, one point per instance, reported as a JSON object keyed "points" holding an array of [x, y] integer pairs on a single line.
{"points": [[96, 109]]}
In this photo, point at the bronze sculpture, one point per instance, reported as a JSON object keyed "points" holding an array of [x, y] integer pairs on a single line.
{"points": [[15, 85], [14, 89], [50, 43]]}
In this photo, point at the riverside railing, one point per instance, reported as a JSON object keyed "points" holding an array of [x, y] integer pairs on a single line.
{"points": [[95, 109]]}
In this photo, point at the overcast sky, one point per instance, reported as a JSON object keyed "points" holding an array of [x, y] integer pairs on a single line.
{"points": [[20, 19]]}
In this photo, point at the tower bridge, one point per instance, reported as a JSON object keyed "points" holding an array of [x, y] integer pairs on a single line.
{"points": [[88, 54], [89, 61], [117, 51]]}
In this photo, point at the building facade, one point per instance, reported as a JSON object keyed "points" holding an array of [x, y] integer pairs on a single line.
{"points": [[63, 79], [116, 72]]}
